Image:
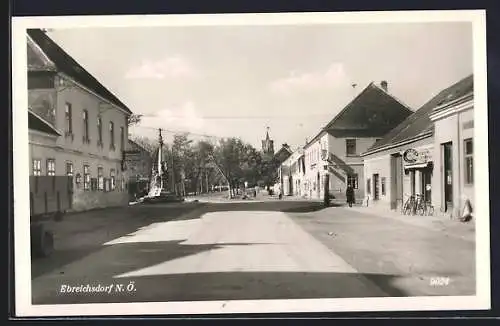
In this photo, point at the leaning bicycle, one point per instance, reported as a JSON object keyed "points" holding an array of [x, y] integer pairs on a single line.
{"points": [[423, 207], [409, 206]]}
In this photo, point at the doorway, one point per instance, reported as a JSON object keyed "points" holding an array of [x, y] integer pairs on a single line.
{"points": [[396, 192], [375, 187], [447, 151], [425, 184], [318, 188]]}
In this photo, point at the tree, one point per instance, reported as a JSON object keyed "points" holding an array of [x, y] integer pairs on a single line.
{"points": [[239, 162], [134, 119], [180, 161], [148, 144]]}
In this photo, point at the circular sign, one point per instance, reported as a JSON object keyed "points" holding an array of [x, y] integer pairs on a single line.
{"points": [[410, 155]]}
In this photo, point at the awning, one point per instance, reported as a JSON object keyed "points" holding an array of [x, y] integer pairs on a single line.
{"points": [[417, 166]]}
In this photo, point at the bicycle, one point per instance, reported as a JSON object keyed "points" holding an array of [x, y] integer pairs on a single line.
{"points": [[423, 207], [409, 206], [420, 207]]}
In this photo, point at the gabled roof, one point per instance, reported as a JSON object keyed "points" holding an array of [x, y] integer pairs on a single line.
{"points": [[135, 146], [56, 57], [419, 123], [284, 148], [37, 59], [373, 113], [35, 122], [284, 152]]}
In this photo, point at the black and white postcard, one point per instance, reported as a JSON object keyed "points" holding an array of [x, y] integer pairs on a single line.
{"points": [[250, 163]]}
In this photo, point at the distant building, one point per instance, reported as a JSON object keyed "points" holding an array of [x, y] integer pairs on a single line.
{"points": [[283, 153], [139, 164], [292, 173], [334, 153], [279, 159], [268, 146], [91, 122]]}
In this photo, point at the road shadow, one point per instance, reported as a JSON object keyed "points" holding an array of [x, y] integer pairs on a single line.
{"points": [[269, 206], [115, 223], [236, 286], [130, 256], [76, 242]]}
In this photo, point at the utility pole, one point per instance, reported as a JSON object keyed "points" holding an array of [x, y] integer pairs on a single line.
{"points": [[206, 179], [160, 158], [173, 169]]}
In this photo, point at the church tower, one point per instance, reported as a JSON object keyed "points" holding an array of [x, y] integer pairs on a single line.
{"points": [[268, 145]]}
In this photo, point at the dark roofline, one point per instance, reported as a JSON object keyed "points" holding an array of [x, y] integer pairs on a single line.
{"points": [[424, 132], [337, 116], [288, 149], [51, 130], [348, 105], [371, 85], [100, 90], [394, 97], [410, 140]]}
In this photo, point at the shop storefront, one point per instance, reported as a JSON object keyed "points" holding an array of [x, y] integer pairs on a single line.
{"points": [[400, 171], [418, 169], [454, 140]]}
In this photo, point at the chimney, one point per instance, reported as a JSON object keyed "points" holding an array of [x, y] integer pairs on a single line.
{"points": [[383, 84]]}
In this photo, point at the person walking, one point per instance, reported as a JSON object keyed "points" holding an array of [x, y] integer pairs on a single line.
{"points": [[349, 193]]}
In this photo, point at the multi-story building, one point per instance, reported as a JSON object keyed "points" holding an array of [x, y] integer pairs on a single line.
{"points": [[279, 158], [403, 163], [91, 121], [333, 155], [292, 172], [453, 150]]}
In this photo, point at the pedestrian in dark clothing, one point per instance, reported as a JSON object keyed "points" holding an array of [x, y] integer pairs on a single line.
{"points": [[349, 195]]}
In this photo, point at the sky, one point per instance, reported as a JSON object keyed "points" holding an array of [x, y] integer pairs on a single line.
{"points": [[236, 81]]}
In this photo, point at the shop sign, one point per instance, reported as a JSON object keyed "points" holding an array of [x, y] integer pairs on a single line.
{"points": [[412, 156]]}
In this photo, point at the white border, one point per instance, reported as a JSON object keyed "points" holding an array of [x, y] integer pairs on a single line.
{"points": [[21, 180]]}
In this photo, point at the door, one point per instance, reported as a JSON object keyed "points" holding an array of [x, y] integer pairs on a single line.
{"points": [[396, 181], [327, 185], [448, 175], [426, 184], [375, 187], [318, 188]]}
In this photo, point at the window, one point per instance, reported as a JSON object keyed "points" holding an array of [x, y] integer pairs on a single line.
{"points": [[69, 169], [350, 147], [85, 126], [469, 161], [112, 177], [100, 178], [352, 180], [368, 186], [51, 167], [69, 119], [111, 135], [122, 138], [382, 186], [99, 131], [37, 167], [86, 177]]}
